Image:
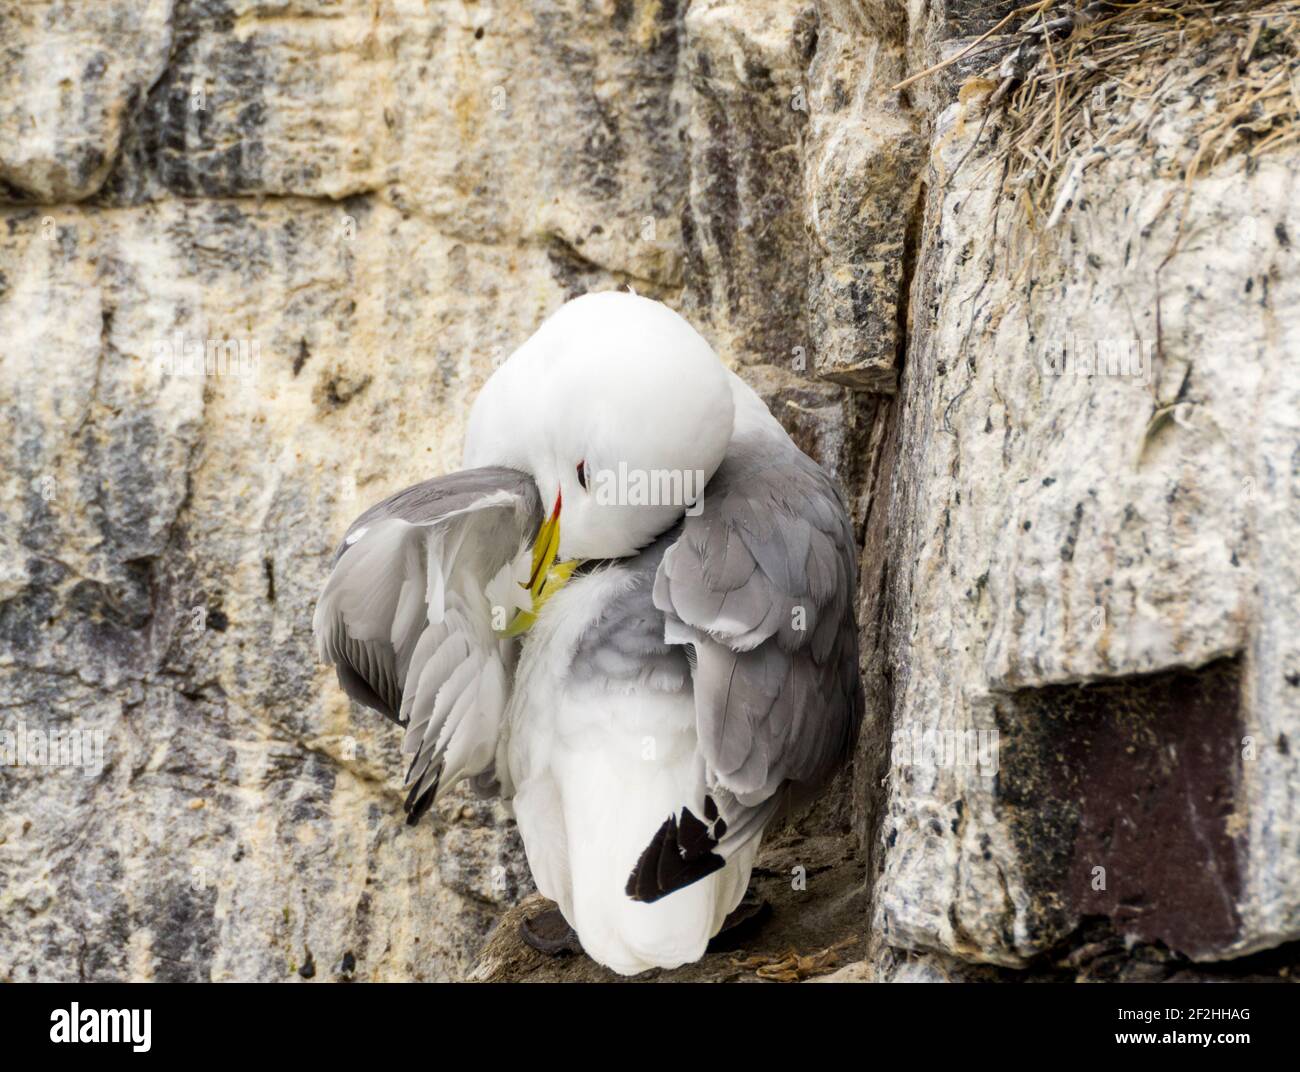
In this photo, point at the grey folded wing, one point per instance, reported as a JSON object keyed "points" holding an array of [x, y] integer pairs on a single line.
{"points": [[407, 618], [760, 586]]}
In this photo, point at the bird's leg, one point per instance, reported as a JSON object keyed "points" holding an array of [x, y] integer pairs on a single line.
{"points": [[742, 922], [549, 932]]}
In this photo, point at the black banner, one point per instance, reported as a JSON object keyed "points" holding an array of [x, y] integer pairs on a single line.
{"points": [[337, 1022]]}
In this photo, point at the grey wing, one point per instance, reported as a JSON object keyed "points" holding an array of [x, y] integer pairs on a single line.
{"points": [[760, 586], [406, 618]]}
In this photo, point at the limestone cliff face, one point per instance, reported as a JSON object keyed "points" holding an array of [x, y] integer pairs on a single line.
{"points": [[354, 210]]}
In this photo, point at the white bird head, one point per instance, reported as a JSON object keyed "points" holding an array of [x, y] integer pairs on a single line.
{"points": [[620, 412]]}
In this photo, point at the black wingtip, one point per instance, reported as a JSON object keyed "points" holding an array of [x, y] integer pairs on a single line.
{"points": [[416, 806], [680, 853]]}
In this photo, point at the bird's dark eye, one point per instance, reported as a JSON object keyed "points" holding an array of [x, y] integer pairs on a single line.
{"points": [[582, 474]]}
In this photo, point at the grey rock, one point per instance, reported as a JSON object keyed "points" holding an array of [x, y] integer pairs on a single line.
{"points": [[1096, 571], [71, 79]]}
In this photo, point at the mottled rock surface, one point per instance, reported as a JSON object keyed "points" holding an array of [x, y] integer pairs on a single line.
{"points": [[353, 211], [74, 75], [1095, 525]]}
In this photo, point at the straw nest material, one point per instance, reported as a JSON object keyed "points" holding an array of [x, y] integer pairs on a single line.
{"points": [[1075, 83]]}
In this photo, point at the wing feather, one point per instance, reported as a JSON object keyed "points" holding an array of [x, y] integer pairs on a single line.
{"points": [[406, 619], [760, 588]]}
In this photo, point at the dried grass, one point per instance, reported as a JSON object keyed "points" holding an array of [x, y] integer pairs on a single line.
{"points": [[1085, 81]]}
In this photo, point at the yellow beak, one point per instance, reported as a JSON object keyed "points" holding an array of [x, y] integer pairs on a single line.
{"points": [[547, 577]]}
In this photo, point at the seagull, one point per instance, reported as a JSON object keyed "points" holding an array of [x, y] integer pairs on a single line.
{"points": [[630, 615]]}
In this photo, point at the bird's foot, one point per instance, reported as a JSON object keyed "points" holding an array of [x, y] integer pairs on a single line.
{"points": [[742, 922], [549, 932]]}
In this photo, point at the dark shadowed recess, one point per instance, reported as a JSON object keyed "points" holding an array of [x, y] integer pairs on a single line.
{"points": [[969, 18], [1139, 777]]}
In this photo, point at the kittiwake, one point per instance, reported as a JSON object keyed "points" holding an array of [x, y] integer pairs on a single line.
{"points": [[630, 614]]}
